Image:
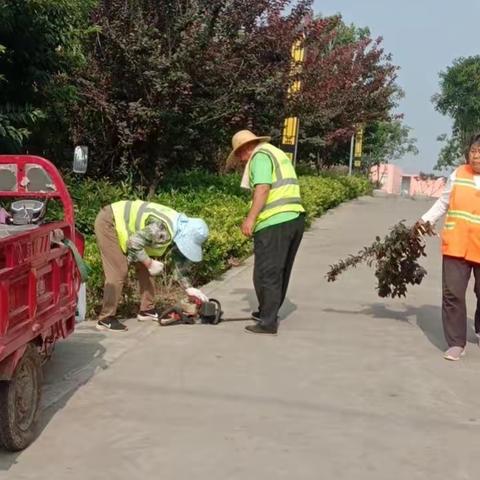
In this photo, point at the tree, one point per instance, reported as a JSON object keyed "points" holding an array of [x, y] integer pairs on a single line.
{"points": [[168, 82], [347, 80], [14, 120], [386, 141], [153, 85], [459, 98], [40, 40]]}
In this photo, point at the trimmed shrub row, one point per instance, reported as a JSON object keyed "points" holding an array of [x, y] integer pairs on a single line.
{"points": [[217, 199]]}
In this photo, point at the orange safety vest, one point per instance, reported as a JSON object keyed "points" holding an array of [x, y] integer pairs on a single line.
{"points": [[461, 231]]}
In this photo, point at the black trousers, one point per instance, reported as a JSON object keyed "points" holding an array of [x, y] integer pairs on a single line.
{"points": [[275, 249], [456, 273]]}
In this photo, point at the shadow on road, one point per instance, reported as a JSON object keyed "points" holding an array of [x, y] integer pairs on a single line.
{"points": [[73, 364], [251, 304], [428, 319]]}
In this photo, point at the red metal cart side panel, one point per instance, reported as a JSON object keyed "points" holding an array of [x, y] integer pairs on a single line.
{"points": [[38, 277]]}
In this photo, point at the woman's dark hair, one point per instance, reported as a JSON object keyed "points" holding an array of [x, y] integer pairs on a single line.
{"points": [[474, 140]]}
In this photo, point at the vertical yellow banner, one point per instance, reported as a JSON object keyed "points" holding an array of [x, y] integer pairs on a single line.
{"points": [[358, 142], [291, 124], [290, 130]]}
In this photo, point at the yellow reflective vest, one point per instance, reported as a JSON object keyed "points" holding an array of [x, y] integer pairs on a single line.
{"points": [[131, 216], [284, 195]]}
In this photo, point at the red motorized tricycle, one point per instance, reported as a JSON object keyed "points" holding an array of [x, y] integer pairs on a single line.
{"points": [[39, 283]]}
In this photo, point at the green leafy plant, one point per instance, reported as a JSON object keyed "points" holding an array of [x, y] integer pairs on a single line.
{"points": [[41, 43], [14, 121]]}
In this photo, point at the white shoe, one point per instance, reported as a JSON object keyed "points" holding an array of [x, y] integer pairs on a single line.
{"points": [[454, 353], [149, 315]]}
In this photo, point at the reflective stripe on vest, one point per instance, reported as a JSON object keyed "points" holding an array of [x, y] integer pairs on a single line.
{"points": [[132, 216], [284, 194], [461, 230], [281, 202]]}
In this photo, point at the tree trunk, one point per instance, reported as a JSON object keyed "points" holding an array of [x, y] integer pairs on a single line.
{"points": [[157, 178]]}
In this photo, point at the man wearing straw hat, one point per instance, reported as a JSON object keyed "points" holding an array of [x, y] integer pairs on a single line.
{"points": [[276, 221]]}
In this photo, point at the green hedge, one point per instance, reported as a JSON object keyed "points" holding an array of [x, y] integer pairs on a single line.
{"points": [[217, 199]]}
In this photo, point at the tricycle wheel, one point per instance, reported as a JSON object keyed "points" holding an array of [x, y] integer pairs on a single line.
{"points": [[20, 402]]}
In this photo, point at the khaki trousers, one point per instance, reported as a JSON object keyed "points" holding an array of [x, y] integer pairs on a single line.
{"points": [[115, 267]]}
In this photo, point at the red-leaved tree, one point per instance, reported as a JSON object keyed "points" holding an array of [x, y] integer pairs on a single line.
{"points": [[346, 82], [168, 82]]}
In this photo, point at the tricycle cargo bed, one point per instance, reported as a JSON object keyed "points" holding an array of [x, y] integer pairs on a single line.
{"points": [[37, 288], [39, 280], [39, 283]]}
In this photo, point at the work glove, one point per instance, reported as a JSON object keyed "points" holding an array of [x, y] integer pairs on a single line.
{"points": [[155, 268], [195, 292]]}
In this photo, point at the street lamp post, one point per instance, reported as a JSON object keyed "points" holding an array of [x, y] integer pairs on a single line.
{"points": [[350, 164]]}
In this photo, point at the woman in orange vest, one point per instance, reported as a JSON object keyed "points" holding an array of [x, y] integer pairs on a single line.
{"points": [[460, 201]]}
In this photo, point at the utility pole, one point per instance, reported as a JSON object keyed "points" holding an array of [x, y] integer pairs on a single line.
{"points": [[350, 164]]}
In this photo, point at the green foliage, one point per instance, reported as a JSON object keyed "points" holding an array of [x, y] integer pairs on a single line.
{"points": [[40, 41], [14, 121], [459, 98], [348, 34], [215, 198], [90, 195], [387, 141], [452, 151], [195, 180]]}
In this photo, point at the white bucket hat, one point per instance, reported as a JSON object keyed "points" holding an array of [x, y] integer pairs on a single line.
{"points": [[189, 237]]}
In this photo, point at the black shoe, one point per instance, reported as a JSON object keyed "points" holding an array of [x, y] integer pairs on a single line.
{"points": [[147, 315], [256, 316], [261, 329], [112, 325]]}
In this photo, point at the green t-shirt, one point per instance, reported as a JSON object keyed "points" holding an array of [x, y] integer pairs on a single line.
{"points": [[261, 172]]}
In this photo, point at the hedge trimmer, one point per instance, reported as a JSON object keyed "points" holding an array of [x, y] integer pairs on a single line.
{"points": [[192, 310], [395, 259]]}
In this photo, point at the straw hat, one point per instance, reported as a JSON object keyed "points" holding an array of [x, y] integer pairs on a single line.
{"points": [[242, 138]]}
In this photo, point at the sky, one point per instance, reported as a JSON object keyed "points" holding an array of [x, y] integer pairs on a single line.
{"points": [[424, 37]]}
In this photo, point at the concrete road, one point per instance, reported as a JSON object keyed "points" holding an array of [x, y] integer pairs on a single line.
{"points": [[354, 387]]}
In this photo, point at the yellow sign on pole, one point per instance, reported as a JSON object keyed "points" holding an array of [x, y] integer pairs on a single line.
{"points": [[290, 129], [358, 142], [289, 136], [291, 125], [298, 51]]}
